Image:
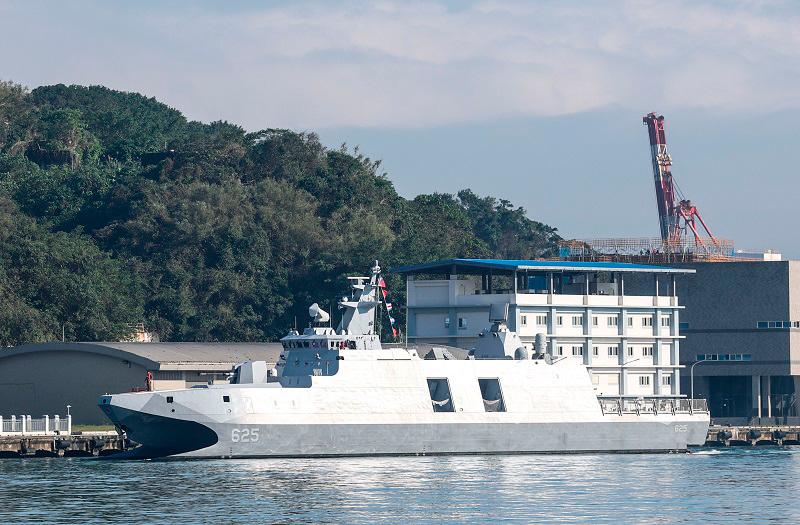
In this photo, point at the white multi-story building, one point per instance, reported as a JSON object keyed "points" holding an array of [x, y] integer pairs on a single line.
{"points": [[630, 343]]}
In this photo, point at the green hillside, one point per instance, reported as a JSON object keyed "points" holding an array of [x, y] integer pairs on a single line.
{"points": [[114, 209]]}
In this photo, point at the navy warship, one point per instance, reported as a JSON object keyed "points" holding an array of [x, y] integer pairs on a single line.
{"points": [[339, 392]]}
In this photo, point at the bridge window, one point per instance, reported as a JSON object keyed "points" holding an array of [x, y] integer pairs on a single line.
{"points": [[439, 390], [492, 395]]}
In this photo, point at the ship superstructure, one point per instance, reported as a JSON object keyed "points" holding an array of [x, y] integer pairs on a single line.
{"points": [[339, 392]]}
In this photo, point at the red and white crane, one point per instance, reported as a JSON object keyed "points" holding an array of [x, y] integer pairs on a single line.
{"points": [[676, 214]]}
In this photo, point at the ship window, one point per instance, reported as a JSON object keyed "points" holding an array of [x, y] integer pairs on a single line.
{"points": [[226, 399], [492, 395], [169, 399], [462, 322], [612, 321], [523, 320], [439, 390]]}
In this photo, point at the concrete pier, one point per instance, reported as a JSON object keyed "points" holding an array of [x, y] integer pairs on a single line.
{"points": [[74, 445]]}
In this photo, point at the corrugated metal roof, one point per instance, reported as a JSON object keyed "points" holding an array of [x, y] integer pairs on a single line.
{"points": [[538, 265], [165, 356]]}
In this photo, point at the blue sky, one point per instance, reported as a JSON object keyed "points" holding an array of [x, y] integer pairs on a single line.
{"points": [[538, 102]]}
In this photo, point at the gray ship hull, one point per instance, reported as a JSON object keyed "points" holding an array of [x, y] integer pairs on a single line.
{"points": [[164, 436]]}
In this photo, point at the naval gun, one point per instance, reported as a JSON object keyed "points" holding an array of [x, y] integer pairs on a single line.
{"points": [[497, 341]]}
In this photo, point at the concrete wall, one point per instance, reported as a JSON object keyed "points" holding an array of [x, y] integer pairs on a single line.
{"points": [[46, 382], [725, 301], [794, 315]]}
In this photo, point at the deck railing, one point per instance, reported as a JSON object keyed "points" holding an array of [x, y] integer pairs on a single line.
{"points": [[651, 405], [26, 425]]}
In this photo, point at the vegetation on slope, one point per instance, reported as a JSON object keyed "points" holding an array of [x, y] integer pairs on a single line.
{"points": [[114, 209]]}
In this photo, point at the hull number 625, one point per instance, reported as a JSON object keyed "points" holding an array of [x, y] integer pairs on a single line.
{"points": [[244, 435]]}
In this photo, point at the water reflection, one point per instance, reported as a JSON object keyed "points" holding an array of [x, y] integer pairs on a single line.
{"points": [[712, 486]]}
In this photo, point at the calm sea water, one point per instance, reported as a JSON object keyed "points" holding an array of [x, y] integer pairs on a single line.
{"points": [[712, 486]]}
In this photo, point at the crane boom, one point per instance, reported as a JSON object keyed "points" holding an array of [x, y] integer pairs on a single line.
{"points": [[662, 176], [675, 217]]}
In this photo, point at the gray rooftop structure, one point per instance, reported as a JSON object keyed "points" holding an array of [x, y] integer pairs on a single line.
{"points": [[164, 356], [42, 378]]}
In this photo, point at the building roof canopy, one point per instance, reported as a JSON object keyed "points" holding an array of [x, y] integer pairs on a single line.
{"points": [[512, 265]]}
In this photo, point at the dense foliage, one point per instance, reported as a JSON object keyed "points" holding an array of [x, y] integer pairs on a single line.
{"points": [[115, 210]]}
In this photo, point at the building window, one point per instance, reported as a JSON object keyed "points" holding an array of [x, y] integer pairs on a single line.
{"points": [[595, 350], [560, 320], [647, 351], [613, 350], [724, 357], [560, 350], [666, 380], [462, 323], [523, 320], [577, 320], [778, 324], [168, 375], [644, 380], [577, 350], [613, 321], [647, 321], [541, 320], [666, 321], [595, 320], [492, 395], [439, 390]]}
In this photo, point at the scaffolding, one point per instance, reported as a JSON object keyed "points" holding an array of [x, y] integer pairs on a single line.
{"points": [[646, 250]]}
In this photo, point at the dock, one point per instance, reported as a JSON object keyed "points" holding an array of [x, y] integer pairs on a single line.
{"points": [[25, 436], [752, 436], [80, 444]]}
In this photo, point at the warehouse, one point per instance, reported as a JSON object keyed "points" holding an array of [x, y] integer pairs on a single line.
{"points": [[43, 378]]}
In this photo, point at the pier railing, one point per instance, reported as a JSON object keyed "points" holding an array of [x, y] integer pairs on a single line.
{"points": [[26, 425], [651, 405]]}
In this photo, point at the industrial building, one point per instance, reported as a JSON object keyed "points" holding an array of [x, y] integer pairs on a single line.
{"points": [[742, 327], [630, 342], [43, 378]]}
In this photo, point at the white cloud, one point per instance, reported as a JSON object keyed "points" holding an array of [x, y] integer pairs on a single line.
{"points": [[400, 64]]}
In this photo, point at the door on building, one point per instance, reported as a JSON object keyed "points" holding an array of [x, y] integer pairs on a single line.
{"points": [[729, 396]]}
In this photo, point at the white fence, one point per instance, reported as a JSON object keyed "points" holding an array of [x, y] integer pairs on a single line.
{"points": [[28, 426]]}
